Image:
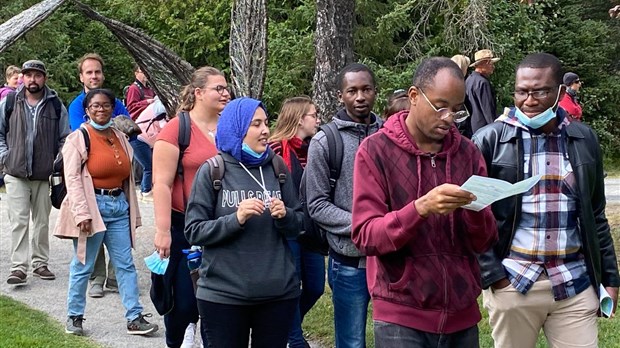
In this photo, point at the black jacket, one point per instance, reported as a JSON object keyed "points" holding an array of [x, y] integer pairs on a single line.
{"points": [[480, 100], [502, 148]]}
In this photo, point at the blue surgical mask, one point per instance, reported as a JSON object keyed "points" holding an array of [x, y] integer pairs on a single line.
{"points": [[156, 264], [97, 126], [246, 148], [539, 120]]}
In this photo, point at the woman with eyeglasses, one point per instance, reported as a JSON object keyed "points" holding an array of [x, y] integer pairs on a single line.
{"points": [[297, 123], [101, 206], [202, 100]]}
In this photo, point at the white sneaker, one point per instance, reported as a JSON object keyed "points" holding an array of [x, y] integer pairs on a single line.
{"points": [[188, 339], [147, 197]]}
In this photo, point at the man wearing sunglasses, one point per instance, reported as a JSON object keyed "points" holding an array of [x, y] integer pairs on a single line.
{"points": [[555, 249], [570, 102], [422, 271]]}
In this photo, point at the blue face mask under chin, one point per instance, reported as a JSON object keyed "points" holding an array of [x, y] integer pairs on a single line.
{"points": [[539, 120], [246, 148], [97, 126]]}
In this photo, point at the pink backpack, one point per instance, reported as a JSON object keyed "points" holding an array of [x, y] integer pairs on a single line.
{"points": [[151, 121]]}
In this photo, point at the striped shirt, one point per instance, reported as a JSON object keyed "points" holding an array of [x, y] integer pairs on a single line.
{"points": [[547, 237]]}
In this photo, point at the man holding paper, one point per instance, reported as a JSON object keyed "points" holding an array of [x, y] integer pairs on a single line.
{"points": [[555, 248], [422, 271]]}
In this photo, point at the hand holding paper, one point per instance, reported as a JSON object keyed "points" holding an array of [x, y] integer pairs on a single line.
{"points": [[489, 190], [443, 199]]}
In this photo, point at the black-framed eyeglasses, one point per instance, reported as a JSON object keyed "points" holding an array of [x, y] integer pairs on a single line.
{"points": [[537, 94], [445, 113], [95, 107], [220, 89]]}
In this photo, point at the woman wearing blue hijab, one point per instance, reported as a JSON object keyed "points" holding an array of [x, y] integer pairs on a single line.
{"points": [[247, 279]]}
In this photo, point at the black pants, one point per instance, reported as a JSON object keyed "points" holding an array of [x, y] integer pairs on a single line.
{"points": [[185, 310], [395, 336], [228, 326]]}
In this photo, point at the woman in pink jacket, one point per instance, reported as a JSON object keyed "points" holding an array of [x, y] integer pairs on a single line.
{"points": [[100, 207]]}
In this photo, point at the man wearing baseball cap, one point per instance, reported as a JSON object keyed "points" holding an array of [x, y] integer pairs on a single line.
{"points": [[33, 127], [480, 100], [570, 102]]}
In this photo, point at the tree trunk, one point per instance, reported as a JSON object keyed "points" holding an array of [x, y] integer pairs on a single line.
{"points": [[248, 47], [333, 40], [165, 70], [19, 25]]}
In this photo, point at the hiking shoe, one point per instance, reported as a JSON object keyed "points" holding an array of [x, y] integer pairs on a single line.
{"points": [[44, 273], [74, 325], [111, 285], [188, 338], [17, 278], [140, 326], [147, 197], [96, 291]]}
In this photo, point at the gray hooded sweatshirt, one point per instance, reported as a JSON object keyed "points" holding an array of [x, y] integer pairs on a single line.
{"points": [[247, 264], [335, 217]]}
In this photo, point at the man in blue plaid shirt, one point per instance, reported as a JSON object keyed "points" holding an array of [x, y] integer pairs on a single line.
{"points": [[555, 247]]}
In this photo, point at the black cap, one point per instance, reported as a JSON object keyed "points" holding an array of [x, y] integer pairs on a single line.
{"points": [[570, 78], [34, 65]]}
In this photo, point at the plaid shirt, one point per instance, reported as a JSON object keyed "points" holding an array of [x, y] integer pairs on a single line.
{"points": [[547, 237]]}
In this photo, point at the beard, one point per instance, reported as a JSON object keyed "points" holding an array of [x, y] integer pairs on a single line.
{"points": [[34, 88]]}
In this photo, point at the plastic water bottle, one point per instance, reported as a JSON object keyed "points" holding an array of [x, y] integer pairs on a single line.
{"points": [[194, 257]]}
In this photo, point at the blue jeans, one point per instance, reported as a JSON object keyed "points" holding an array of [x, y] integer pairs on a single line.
{"points": [[144, 154], [350, 298], [388, 335], [311, 271], [117, 238]]}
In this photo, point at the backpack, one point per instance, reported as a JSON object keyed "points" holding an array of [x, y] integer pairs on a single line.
{"points": [[217, 169], [10, 106], [216, 164], [126, 89], [58, 188], [313, 237]]}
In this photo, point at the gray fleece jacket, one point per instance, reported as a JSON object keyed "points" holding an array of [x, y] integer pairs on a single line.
{"points": [[247, 264], [335, 217]]}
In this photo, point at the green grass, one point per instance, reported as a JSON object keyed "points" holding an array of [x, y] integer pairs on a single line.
{"points": [[21, 326], [319, 324], [612, 168]]}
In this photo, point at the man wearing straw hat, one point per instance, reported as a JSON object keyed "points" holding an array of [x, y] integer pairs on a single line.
{"points": [[480, 94]]}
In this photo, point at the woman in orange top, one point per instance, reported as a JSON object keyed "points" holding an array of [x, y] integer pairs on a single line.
{"points": [[203, 99], [100, 207]]}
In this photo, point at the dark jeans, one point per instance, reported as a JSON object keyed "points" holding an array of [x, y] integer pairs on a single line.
{"points": [[388, 335], [311, 271], [185, 310], [229, 326], [144, 154]]}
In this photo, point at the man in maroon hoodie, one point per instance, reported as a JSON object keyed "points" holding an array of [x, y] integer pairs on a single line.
{"points": [[422, 272]]}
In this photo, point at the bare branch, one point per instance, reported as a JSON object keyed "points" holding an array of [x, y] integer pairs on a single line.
{"points": [[19, 25], [166, 71]]}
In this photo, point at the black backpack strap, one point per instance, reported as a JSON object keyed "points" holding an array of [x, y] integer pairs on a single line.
{"points": [[216, 169], [279, 168], [336, 152], [86, 139], [57, 106], [141, 90], [8, 109], [185, 131]]}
